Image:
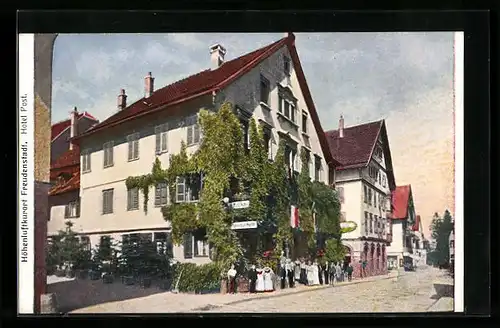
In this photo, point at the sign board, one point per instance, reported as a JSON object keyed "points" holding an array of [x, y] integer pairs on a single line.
{"points": [[348, 226], [244, 225], [239, 205]]}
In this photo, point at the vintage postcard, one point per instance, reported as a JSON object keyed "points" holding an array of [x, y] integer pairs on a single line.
{"points": [[241, 172]]}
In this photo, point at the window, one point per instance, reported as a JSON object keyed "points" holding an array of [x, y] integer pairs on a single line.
{"points": [[161, 194], [193, 134], [369, 196], [85, 241], [161, 137], [107, 201], [265, 90], [267, 139], [201, 246], [384, 180], [340, 191], [375, 199], [378, 152], [304, 122], [288, 108], [286, 65], [72, 209], [377, 224], [133, 146], [188, 246], [317, 167], [108, 154], [365, 194], [188, 189], [371, 223], [291, 157], [163, 241], [246, 136], [373, 172], [132, 199], [86, 161], [366, 223]]}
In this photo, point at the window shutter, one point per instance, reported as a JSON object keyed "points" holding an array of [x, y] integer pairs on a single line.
{"points": [[136, 198], [66, 211], [88, 161], [111, 147], [158, 139], [136, 148], [164, 141], [188, 246], [163, 194], [104, 202], [196, 136], [130, 148], [77, 205], [157, 195], [189, 135]]}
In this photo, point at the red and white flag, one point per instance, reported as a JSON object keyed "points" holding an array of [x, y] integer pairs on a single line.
{"points": [[294, 217]]}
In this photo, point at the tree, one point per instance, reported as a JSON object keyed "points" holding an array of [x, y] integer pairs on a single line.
{"points": [[334, 251], [441, 229], [65, 249]]}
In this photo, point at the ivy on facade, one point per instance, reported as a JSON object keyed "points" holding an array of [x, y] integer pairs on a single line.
{"points": [[227, 169]]}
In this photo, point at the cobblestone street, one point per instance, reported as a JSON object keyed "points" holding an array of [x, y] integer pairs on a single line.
{"points": [[408, 292]]}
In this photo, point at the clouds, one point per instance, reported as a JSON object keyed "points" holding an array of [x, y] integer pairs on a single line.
{"points": [[403, 77]]}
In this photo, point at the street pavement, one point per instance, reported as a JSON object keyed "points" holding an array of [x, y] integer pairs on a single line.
{"points": [[398, 292]]}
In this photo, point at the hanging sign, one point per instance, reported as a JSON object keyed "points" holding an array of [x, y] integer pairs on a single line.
{"points": [[348, 226], [239, 205], [244, 225]]}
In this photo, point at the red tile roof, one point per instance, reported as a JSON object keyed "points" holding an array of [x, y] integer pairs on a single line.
{"points": [[208, 81], [70, 185], [400, 200], [416, 226], [68, 158], [60, 127], [355, 148]]}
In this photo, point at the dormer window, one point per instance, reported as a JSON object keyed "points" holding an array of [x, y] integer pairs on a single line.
{"points": [[286, 65]]}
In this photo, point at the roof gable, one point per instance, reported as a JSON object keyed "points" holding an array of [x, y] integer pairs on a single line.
{"points": [[355, 148], [68, 158], [60, 127], [70, 185]]}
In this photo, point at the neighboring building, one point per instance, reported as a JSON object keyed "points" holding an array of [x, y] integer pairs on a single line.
{"points": [[419, 242], [364, 182], [64, 195], [61, 132], [403, 217], [267, 84]]}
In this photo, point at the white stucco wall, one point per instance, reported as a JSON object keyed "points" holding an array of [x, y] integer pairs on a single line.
{"points": [[396, 247], [351, 207]]}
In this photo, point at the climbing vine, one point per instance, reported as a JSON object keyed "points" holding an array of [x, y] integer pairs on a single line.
{"points": [[226, 169]]}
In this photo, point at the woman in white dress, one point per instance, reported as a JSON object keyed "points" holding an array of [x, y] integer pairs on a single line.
{"points": [[259, 284], [310, 274], [315, 273], [268, 279]]}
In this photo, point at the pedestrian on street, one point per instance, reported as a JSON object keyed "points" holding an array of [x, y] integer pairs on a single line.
{"points": [[338, 272], [349, 272], [332, 273]]}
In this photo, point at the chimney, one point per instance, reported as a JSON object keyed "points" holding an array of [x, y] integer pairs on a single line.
{"points": [[122, 100], [341, 127], [73, 127], [149, 85], [217, 53]]}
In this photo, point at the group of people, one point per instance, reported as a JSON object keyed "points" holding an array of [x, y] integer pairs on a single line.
{"points": [[309, 273]]}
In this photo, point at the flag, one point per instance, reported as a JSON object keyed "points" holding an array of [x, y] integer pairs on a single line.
{"points": [[294, 217]]}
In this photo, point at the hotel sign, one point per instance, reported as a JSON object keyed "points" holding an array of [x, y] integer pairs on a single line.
{"points": [[348, 226], [244, 225], [239, 205]]}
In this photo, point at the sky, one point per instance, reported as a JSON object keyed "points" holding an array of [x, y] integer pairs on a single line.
{"points": [[404, 78]]}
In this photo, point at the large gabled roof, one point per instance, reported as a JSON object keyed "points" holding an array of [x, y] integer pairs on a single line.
{"points": [[209, 81]]}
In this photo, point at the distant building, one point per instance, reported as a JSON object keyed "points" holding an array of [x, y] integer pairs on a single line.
{"points": [[452, 247], [419, 242], [364, 182], [403, 217]]}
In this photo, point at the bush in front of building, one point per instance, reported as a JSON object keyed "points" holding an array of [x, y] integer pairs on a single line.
{"points": [[189, 277]]}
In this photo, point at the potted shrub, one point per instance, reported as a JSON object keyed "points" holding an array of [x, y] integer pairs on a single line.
{"points": [[107, 278]]}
